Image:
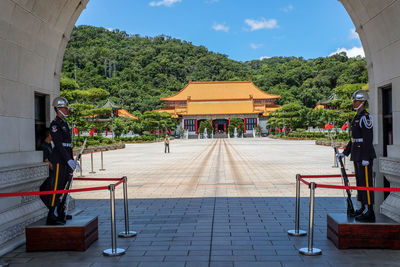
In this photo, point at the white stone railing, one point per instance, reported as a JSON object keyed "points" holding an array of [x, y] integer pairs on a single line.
{"points": [[18, 212], [390, 168]]}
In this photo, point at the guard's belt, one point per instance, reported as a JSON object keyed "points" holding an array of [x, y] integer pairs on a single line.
{"points": [[67, 144], [357, 140]]}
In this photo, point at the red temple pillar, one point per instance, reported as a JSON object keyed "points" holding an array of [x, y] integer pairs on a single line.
{"points": [[229, 121], [183, 124], [195, 125], [244, 125]]}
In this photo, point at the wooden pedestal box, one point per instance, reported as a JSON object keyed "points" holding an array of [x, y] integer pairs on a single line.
{"points": [[348, 233], [77, 234]]}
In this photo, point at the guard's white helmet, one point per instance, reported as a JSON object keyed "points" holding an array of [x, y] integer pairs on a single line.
{"points": [[60, 102], [360, 95]]}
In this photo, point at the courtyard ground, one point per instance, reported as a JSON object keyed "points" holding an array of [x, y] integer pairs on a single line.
{"points": [[221, 202]]}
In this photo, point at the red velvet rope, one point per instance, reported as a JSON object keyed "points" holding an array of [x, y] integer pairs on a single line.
{"points": [[120, 181], [97, 179], [303, 181], [325, 176], [361, 188], [36, 193]]}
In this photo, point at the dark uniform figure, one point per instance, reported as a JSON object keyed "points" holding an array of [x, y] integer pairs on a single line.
{"points": [[61, 159], [47, 149], [362, 154]]}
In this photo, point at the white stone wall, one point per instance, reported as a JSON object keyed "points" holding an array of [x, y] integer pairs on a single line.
{"points": [[377, 23]]}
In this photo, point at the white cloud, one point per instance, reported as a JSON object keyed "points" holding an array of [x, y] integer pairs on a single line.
{"points": [[255, 46], [164, 3], [220, 27], [109, 29], [352, 52], [353, 34], [261, 24], [288, 8], [261, 58]]}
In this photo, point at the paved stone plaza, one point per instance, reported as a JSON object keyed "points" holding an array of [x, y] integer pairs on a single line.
{"points": [[223, 202]]}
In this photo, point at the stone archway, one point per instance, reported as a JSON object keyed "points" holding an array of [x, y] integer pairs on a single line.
{"points": [[33, 37]]}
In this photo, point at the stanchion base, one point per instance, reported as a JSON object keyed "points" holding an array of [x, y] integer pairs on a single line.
{"points": [[102, 169], [127, 234], [313, 252], [298, 233], [117, 252], [92, 172]]}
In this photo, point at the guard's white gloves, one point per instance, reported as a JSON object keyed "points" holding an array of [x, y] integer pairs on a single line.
{"points": [[72, 164], [365, 162], [340, 155]]}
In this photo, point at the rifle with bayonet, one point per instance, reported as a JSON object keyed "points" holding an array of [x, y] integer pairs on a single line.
{"points": [[67, 198], [350, 206]]}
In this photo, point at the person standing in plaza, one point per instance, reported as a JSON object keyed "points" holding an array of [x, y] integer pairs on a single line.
{"points": [[61, 159], [362, 154], [166, 143]]}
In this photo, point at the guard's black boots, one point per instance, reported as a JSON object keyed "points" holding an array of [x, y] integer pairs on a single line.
{"points": [[369, 216], [355, 213], [52, 219], [359, 211], [64, 217]]}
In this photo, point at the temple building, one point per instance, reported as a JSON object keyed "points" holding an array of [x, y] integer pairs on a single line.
{"points": [[219, 102]]}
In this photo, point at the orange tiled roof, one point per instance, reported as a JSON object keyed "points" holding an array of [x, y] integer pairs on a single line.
{"points": [[229, 90], [267, 110], [173, 112], [220, 107], [319, 106], [124, 113]]}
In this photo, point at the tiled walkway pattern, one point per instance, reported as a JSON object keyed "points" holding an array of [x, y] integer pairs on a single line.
{"points": [[212, 203]]}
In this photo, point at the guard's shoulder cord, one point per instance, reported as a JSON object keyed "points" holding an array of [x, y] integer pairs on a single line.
{"points": [[368, 122]]}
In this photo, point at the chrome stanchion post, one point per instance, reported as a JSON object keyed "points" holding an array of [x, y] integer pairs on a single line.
{"points": [[80, 163], [126, 233], [91, 162], [297, 231], [310, 250], [102, 167], [113, 251]]}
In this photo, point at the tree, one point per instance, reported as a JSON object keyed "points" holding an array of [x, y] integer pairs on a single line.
{"points": [[293, 115], [238, 124], [206, 125], [154, 121], [68, 84], [120, 127]]}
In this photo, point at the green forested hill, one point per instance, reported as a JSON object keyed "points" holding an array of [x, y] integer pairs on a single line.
{"points": [[140, 70]]}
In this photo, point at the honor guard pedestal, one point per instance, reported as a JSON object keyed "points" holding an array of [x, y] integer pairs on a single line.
{"points": [[77, 234], [347, 233]]}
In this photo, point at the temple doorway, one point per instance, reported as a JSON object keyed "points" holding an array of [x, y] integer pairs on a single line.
{"points": [[220, 125]]}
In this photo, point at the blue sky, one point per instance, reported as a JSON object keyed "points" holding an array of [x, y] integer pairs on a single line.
{"points": [[242, 29]]}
